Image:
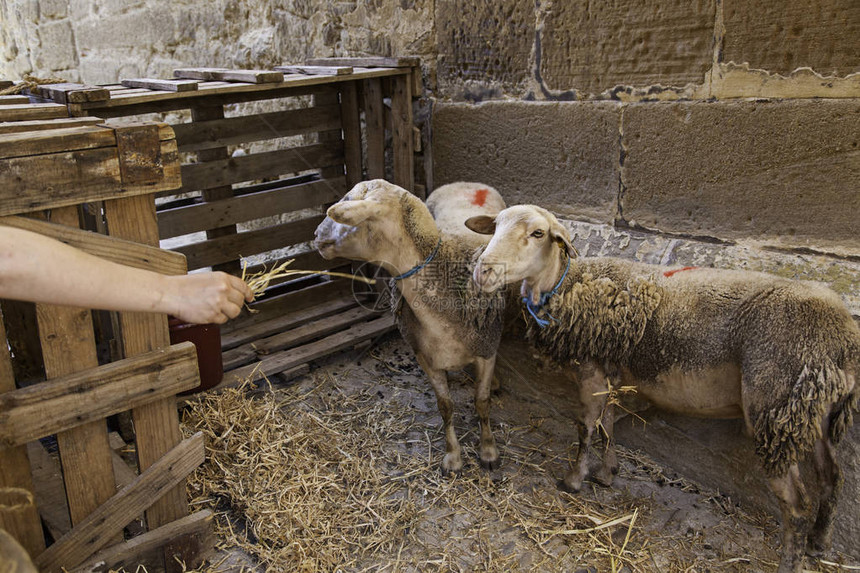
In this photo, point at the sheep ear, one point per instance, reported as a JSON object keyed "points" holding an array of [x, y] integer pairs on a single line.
{"points": [[482, 224], [352, 213], [560, 234]]}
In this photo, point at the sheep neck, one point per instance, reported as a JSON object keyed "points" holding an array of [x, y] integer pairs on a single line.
{"points": [[547, 279], [411, 254]]}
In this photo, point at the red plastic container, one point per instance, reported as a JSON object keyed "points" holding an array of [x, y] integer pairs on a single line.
{"points": [[207, 339]]}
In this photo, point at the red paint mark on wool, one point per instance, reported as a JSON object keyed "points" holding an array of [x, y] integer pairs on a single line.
{"points": [[480, 197], [670, 273]]}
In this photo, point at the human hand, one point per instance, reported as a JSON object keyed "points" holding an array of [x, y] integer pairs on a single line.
{"points": [[203, 298]]}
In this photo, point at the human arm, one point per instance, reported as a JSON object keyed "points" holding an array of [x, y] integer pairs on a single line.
{"points": [[37, 268]]}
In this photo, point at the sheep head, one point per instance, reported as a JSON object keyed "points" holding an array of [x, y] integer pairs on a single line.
{"points": [[372, 223], [524, 247]]}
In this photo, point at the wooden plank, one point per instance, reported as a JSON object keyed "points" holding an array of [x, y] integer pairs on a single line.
{"points": [[295, 336], [221, 191], [351, 124], [139, 152], [287, 321], [80, 397], [71, 93], [250, 76], [159, 101], [22, 524], [316, 70], [296, 356], [13, 99], [330, 98], [68, 346], [43, 124], [23, 340], [231, 247], [211, 215], [198, 134], [161, 85], [156, 424], [195, 529], [6, 84], [402, 143], [55, 141], [50, 490], [110, 248], [99, 529], [197, 73], [368, 62], [374, 120], [31, 111], [231, 170]]}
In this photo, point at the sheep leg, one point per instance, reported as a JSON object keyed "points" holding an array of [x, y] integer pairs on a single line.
{"points": [[453, 461], [830, 481], [589, 411], [796, 515], [489, 453], [609, 468]]}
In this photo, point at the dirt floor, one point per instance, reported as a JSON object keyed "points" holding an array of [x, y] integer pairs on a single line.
{"points": [[338, 470]]}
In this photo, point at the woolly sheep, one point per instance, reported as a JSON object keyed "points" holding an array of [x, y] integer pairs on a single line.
{"points": [[448, 324], [781, 354], [452, 204]]}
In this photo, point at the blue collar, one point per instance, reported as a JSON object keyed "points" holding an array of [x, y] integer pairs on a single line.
{"points": [[544, 298], [417, 268]]}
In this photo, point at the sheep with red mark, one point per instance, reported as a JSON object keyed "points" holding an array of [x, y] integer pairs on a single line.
{"points": [[783, 355], [446, 321], [452, 204]]}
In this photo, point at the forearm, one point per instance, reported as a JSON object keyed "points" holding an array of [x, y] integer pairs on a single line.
{"points": [[36, 268]]}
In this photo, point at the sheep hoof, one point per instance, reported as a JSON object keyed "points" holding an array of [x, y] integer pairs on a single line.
{"points": [[566, 487], [818, 544], [451, 464], [495, 385], [491, 464], [605, 478]]}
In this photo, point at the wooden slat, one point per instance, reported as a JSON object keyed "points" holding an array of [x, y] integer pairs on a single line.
{"points": [[284, 322], [195, 529], [259, 165], [351, 124], [160, 101], [222, 191], [221, 249], [156, 424], [316, 70], [31, 111], [100, 528], [13, 99], [6, 84], [55, 141], [402, 143], [193, 218], [22, 524], [374, 119], [71, 93], [50, 490], [43, 124], [197, 135], [197, 73], [162, 85], [295, 336], [314, 350], [68, 401], [368, 62], [68, 345], [290, 302], [110, 248]]}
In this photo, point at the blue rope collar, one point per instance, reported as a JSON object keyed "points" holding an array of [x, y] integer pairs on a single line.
{"points": [[534, 309], [417, 268]]}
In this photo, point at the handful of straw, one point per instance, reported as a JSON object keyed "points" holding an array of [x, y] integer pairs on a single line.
{"points": [[259, 282]]}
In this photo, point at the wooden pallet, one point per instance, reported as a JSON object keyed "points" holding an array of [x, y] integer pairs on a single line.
{"points": [[58, 170]]}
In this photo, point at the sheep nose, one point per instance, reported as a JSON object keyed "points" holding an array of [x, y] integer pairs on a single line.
{"points": [[482, 274]]}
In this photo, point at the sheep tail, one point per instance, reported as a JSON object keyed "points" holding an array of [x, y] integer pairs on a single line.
{"points": [[784, 435]]}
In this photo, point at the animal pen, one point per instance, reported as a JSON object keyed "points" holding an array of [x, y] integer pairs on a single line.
{"points": [[89, 166]]}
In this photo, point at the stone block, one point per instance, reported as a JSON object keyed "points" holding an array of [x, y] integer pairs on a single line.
{"points": [[562, 155], [784, 171], [783, 36], [595, 46], [57, 46], [486, 44], [53, 9]]}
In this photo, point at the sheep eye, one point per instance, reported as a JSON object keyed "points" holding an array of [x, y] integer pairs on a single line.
{"points": [[537, 234]]}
